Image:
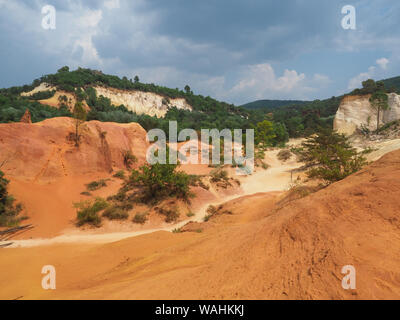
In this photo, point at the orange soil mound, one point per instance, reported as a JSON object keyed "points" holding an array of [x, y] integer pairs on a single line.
{"points": [[42, 151], [252, 250], [48, 172]]}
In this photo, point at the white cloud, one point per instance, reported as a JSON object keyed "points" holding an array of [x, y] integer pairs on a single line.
{"points": [[383, 62], [357, 80], [112, 4], [260, 81], [372, 73]]}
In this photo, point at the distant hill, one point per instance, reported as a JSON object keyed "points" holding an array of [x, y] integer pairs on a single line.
{"points": [[273, 104], [392, 83]]}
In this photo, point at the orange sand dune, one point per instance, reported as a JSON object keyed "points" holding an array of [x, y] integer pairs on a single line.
{"points": [[251, 250]]}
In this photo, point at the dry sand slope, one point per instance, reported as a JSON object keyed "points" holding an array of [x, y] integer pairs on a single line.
{"points": [[276, 178], [253, 251]]}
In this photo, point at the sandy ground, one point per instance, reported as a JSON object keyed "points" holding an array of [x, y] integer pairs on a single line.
{"points": [[250, 250]]}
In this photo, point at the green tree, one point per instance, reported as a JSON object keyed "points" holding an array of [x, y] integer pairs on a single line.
{"points": [[187, 89], [8, 210], [369, 86], [136, 79], [79, 115], [264, 133], [330, 156], [63, 69], [161, 181], [282, 135], [379, 102]]}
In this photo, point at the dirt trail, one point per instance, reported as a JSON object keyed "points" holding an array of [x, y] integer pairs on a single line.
{"points": [[276, 178]]}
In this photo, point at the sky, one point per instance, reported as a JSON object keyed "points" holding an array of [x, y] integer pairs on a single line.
{"points": [[233, 50]]}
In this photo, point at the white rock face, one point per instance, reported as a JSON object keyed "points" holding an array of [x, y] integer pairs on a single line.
{"points": [[142, 102], [137, 101], [356, 111], [43, 87]]}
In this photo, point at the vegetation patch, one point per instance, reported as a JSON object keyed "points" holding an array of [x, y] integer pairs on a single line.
{"points": [[153, 183], [115, 213], [88, 212], [120, 175], [9, 210], [211, 211], [171, 214], [129, 159], [96, 185], [330, 156], [284, 155], [140, 218]]}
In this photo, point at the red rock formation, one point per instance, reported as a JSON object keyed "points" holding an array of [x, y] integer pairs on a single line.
{"points": [[26, 118], [42, 151]]}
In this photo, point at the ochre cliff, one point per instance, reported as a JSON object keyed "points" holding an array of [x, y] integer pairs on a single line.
{"points": [[356, 112], [45, 150]]}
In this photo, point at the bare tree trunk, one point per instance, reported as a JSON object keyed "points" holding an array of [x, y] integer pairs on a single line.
{"points": [[377, 121]]}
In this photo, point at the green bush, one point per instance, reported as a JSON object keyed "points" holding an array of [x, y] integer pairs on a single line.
{"points": [[115, 213], [96, 185], [211, 211], [9, 211], [140, 218], [120, 175], [284, 155], [160, 181], [88, 212], [171, 214], [218, 175], [43, 95], [129, 159]]}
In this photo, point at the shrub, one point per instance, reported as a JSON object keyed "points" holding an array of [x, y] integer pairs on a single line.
{"points": [[160, 181], [120, 175], [87, 212], [115, 213], [284, 155], [9, 211], [140, 218], [297, 191], [96, 185], [129, 159], [190, 214], [171, 215], [264, 165], [43, 95], [211, 211], [218, 175]]}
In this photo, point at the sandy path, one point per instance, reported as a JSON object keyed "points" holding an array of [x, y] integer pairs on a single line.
{"points": [[276, 178]]}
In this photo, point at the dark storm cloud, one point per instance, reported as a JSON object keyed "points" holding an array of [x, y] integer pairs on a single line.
{"points": [[220, 47]]}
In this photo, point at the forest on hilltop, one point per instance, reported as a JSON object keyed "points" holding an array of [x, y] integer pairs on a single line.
{"points": [[284, 118]]}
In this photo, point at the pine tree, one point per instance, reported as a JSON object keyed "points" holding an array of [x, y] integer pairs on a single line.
{"points": [[330, 156]]}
